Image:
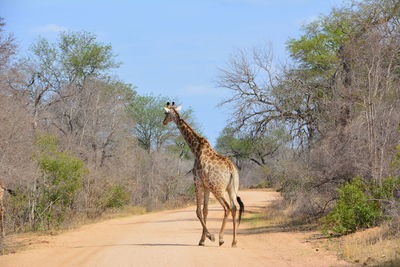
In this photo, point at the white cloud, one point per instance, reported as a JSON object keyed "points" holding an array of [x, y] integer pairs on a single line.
{"points": [[49, 28]]}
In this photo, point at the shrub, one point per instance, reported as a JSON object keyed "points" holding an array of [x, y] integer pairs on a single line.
{"points": [[353, 210], [360, 205], [117, 197], [61, 179]]}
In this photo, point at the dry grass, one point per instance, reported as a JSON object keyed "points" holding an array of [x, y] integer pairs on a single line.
{"points": [[276, 217], [370, 247]]}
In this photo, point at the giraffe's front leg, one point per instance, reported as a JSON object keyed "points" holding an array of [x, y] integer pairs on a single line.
{"points": [[205, 213], [199, 200]]}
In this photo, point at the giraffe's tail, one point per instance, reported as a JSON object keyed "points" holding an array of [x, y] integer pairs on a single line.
{"points": [[235, 180], [241, 209]]}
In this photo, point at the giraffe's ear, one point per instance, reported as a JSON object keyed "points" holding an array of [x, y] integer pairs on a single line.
{"points": [[178, 108], [166, 109]]}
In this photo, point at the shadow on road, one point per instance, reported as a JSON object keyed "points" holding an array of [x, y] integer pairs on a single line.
{"points": [[139, 245]]}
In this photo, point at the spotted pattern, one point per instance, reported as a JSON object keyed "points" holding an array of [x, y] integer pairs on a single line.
{"points": [[212, 173]]}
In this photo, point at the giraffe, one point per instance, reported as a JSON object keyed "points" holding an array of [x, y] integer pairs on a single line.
{"points": [[3, 189], [212, 173]]}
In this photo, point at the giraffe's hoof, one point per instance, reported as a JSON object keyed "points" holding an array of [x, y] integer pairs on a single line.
{"points": [[221, 242], [234, 244], [201, 244], [211, 237]]}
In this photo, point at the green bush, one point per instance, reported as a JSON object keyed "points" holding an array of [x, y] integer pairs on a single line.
{"points": [[353, 210], [61, 179], [385, 191], [360, 205], [117, 197]]}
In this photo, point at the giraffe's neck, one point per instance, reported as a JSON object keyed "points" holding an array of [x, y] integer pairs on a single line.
{"points": [[191, 137]]}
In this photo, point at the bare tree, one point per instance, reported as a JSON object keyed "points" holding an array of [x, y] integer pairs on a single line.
{"points": [[261, 95], [7, 46]]}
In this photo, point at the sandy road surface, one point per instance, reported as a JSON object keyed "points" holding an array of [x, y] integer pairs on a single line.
{"points": [[170, 239]]}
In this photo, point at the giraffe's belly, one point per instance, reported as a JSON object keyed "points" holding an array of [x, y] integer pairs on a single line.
{"points": [[215, 179]]}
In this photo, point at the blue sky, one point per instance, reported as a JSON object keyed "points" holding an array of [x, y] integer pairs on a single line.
{"points": [[171, 48]]}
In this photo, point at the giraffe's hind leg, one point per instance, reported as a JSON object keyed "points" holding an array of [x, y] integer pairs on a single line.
{"points": [[232, 198], [227, 210], [199, 199]]}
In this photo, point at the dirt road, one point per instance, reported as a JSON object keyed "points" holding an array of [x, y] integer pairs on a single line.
{"points": [[170, 238]]}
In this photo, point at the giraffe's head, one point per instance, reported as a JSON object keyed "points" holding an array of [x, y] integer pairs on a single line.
{"points": [[171, 112]]}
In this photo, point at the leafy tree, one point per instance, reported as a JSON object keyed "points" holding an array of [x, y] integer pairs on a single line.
{"points": [[239, 149], [62, 178], [246, 147], [71, 79], [148, 115], [318, 48], [75, 57], [59, 71], [178, 144], [82, 56]]}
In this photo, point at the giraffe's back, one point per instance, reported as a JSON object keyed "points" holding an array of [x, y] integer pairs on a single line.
{"points": [[215, 170]]}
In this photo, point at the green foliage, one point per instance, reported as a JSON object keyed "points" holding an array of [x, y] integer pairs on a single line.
{"points": [[63, 174], [116, 197], [360, 205], [45, 143], [318, 47], [119, 91], [75, 56], [248, 147], [227, 142], [148, 113], [81, 55], [353, 210], [385, 191], [61, 179]]}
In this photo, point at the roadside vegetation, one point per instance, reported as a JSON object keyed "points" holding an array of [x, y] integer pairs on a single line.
{"points": [[323, 129], [76, 142]]}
